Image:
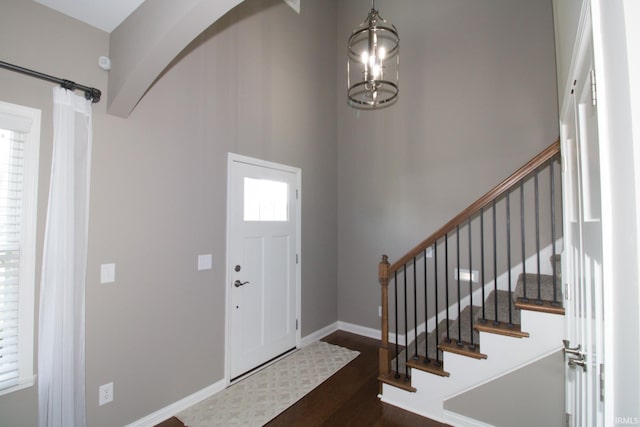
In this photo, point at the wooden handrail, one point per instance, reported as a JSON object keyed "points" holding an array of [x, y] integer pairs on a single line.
{"points": [[547, 154]]}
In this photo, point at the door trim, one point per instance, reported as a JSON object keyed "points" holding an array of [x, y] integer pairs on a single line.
{"points": [[232, 157], [584, 59]]}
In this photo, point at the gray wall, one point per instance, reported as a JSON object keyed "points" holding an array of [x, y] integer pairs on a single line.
{"points": [[248, 85], [477, 100], [532, 396], [34, 37]]}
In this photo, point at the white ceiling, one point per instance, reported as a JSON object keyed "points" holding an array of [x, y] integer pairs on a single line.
{"points": [[103, 14]]}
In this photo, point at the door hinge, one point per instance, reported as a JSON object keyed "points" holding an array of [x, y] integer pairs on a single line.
{"points": [[296, 324], [602, 382], [594, 98], [567, 420], [297, 259], [297, 195]]}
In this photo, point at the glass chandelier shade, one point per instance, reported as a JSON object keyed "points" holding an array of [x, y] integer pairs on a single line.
{"points": [[373, 63]]}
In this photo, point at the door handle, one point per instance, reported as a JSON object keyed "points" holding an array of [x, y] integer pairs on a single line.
{"points": [[238, 283], [578, 362], [575, 351]]}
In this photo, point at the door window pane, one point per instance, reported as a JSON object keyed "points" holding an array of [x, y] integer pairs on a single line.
{"points": [[265, 200]]}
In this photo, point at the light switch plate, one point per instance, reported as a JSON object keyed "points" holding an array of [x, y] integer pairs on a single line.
{"points": [[107, 273], [205, 262]]}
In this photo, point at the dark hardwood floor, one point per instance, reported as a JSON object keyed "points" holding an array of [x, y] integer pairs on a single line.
{"points": [[348, 398]]}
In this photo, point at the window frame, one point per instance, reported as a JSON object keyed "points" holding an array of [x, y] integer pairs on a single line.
{"points": [[25, 119]]}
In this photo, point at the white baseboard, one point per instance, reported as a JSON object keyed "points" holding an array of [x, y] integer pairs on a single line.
{"points": [[179, 406], [360, 330], [320, 333], [458, 420], [171, 410]]}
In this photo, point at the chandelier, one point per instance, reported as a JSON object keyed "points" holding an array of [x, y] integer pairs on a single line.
{"points": [[373, 62]]}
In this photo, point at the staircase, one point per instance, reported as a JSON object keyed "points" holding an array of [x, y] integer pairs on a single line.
{"points": [[477, 299]]}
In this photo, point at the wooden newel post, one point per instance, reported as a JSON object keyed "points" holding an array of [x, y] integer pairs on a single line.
{"points": [[383, 278]]}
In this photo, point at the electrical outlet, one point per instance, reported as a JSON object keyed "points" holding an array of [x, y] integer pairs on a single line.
{"points": [[379, 311], [105, 394]]}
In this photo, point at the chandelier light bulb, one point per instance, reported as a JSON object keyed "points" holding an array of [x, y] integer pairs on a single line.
{"points": [[373, 63]]}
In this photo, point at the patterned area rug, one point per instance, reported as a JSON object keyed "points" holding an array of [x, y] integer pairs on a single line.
{"points": [[257, 399]]}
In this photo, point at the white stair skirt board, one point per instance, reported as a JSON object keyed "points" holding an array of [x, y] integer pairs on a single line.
{"points": [[504, 355]]}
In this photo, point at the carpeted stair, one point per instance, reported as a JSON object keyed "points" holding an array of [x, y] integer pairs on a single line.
{"points": [[506, 308]]}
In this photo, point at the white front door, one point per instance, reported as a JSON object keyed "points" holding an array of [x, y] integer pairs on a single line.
{"points": [[263, 280], [582, 260]]}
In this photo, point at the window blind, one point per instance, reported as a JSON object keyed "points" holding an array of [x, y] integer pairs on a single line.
{"points": [[12, 145]]}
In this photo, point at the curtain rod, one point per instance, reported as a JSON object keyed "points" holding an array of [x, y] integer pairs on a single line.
{"points": [[89, 92]]}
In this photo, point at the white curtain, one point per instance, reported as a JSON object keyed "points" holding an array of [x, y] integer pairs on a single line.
{"points": [[61, 361]]}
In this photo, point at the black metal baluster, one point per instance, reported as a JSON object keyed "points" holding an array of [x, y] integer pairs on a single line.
{"points": [[553, 236], [459, 342], [446, 280], [482, 283], [510, 324], [495, 267], [395, 289], [472, 346], [435, 275], [415, 308], [406, 332], [539, 300], [524, 256], [426, 312]]}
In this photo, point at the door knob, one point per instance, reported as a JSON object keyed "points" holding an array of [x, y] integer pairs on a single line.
{"points": [[575, 351], [238, 283], [578, 362]]}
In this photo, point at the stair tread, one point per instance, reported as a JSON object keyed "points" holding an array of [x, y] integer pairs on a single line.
{"points": [[463, 349], [543, 306], [422, 338], [428, 365], [502, 329], [399, 381]]}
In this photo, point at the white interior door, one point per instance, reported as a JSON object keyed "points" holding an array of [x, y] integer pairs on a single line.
{"points": [[263, 280], [582, 260]]}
